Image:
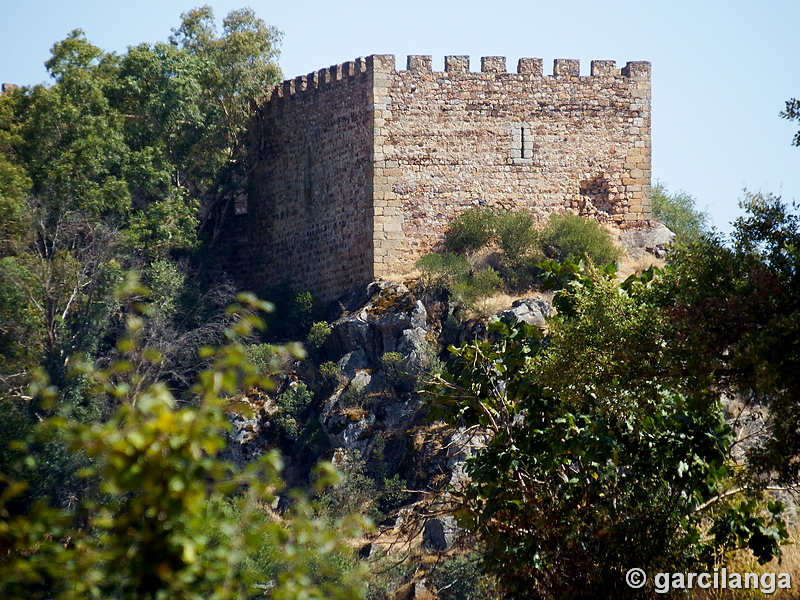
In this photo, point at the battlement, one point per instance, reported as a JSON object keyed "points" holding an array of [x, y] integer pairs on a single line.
{"points": [[364, 67], [528, 66]]}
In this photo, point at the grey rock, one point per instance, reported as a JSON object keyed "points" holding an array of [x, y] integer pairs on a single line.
{"points": [[653, 241], [390, 325], [352, 332], [533, 311], [360, 381], [462, 445], [419, 316], [441, 533], [353, 362], [353, 435], [397, 414], [413, 345]]}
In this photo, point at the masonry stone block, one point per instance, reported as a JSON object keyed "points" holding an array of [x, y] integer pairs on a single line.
{"points": [[566, 67], [533, 66], [493, 64], [456, 64], [420, 63], [604, 68]]}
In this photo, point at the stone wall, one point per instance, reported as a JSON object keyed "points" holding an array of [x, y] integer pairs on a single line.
{"points": [[310, 208], [514, 141], [360, 167]]}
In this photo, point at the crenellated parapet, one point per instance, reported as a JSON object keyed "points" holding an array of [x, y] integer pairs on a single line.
{"points": [[341, 74], [361, 68]]}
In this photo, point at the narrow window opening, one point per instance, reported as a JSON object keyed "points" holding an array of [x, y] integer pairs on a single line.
{"points": [[521, 144]]}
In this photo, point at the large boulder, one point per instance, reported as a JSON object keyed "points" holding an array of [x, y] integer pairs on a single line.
{"points": [[441, 533], [653, 241], [533, 311]]}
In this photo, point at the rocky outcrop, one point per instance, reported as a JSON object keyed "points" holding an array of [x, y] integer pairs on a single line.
{"points": [[383, 345], [647, 241], [391, 320]]}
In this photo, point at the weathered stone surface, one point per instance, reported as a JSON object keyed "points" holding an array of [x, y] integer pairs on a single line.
{"points": [[440, 533], [533, 311], [352, 332], [413, 345], [354, 361], [352, 434], [654, 241]]}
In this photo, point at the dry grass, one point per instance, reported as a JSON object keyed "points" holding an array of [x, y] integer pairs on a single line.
{"points": [[497, 302], [742, 562], [629, 266]]}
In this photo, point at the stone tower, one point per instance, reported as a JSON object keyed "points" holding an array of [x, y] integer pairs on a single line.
{"points": [[358, 168]]}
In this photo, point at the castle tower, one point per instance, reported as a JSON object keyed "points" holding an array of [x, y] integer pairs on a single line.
{"points": [[359, 168]]}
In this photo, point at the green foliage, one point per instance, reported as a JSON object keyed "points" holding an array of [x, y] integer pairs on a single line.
{"points": [[170, 519], [106, 170], [452, 272], [747, 525], [15, 183], [319, 333], [679, 212], [516, 233], [392, 493], [292, 404], [354, 395], [470, 231], [407, 377], [461, 577], [481, 284], [792, 113], [355, 493], [441, 271], [603, 452], [734, 318], [570, 237], [295, 314], [265, 357], [476, 228], [329, 371], [565, 237], [395, 369]]}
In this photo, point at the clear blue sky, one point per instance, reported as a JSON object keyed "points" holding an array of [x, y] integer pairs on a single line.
{"points": [[721, 70]]}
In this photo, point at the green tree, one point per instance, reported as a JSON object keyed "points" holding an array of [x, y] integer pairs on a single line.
{"points": [[679, 212], [603, 452], [169, 518], [108, 169], [792, 112], [734, 316], [238, 69]]}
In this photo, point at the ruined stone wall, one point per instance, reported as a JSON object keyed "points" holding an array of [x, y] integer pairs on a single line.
{"points": [[456, 139], [310, 206]]}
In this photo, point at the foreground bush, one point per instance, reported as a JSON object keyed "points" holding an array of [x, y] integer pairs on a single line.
{"points": [[607, 444], [570, 237], [168, 518], [471, 230]]}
